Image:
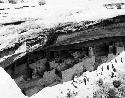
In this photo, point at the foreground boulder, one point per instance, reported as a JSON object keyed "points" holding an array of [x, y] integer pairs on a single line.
{"points": [[8, 87]]}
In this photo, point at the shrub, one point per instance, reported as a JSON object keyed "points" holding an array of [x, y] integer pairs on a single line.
{"points": [[121, 91], [116, 83], [100, 82], [111, 93], [12, 1], [41, 2]]}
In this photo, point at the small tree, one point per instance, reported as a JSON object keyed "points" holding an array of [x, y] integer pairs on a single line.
{"points": [[41, 2]]}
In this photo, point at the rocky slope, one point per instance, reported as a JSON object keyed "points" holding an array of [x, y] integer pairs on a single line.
{"points": [[105, 82]]}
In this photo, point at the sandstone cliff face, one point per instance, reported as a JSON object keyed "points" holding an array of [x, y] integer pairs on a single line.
{"points": [[26, 28], [39, 2]]}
